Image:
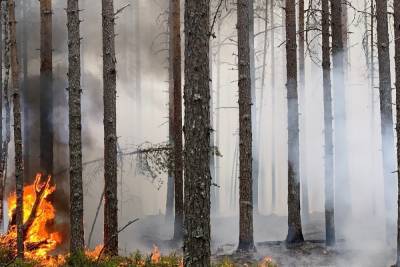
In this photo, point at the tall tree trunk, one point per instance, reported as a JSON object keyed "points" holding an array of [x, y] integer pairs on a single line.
{"points": [[5, 90], [197, 134], [19, 167], [273, 90], [169, 212], [246, 239], [254, 143], [396, 5], [46, 84], [302, 81], [342, 184], [385, 97], [295, 234], [138, 73], [75, 135], [25, 90], [110, 131], [177, 122], [328, 120], [263, 74], [218, 115], [1, 118]]}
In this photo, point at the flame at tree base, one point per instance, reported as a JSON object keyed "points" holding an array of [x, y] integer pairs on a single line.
{"points": [[38, 218]]}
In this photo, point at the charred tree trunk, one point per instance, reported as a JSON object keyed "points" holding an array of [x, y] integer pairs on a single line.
{"points": [[302, 81], [328, 120], [110, 131], [385, 97], [246, 239], [342, 184], [19, 167], [177, 122], [46, 84], [197, 134], [295, 234], [396, 5], [75, 135], [138, 73], [1, 118]]}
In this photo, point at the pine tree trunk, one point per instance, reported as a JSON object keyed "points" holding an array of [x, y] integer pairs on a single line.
{"points": [[138, 73], [169, 212], [46, 84], [178, 168], [1, 118], [5, 90], [25, 91], [273, 154], [254, 125], [75, 136], [302, 81], [197, 134], [342, 184], [110, 132], [385, 97], [217, 204], [19, 168], [246, 239], [295, 234], [328, 120], [396, 5]]}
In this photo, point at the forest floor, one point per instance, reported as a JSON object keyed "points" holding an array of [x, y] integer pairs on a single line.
{"points": [[269, 233]]}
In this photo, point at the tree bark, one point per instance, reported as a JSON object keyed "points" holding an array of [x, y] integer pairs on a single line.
{"points": [[302, 81], [75, 135], [295, 234], [385, 97], [110, 132], [6, 95], [197, 134], [19, 168], [170, 183], [342, 185], [396, 5], [177, 131], [25, 90], [254, 143], [273, 151], [46, 84], [138, 73], [328, 126], [246, 239]]}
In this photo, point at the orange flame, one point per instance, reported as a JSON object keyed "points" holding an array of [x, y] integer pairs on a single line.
{"points": [[38, 233], [155, 255]]}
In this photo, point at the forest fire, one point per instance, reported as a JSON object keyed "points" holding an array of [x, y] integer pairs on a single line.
{"points": [[38, 217]]}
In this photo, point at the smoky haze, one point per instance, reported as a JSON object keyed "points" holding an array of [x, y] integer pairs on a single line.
{"points": [[145, 119]]}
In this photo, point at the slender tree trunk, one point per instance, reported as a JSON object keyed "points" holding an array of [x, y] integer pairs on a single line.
{"points": [[138, 73], [396, 5], [218, 115], [273, 139], [177, 122], [19, 167], [295, 234], [1, 117], [342, 184], [246, 239], [75, 135], [170, 183], [302, 81], [6, 141], [25, 90], [197, 134], [328, 120], [110, 132], [385, 97], [254, 125], [46, 84]]}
